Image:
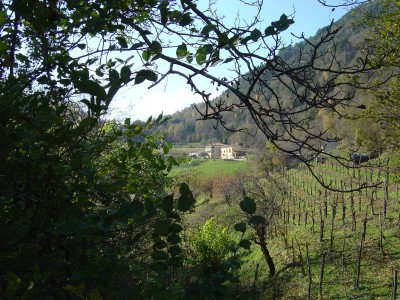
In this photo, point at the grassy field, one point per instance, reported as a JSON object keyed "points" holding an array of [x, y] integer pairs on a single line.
{"points": [[213, 167]]}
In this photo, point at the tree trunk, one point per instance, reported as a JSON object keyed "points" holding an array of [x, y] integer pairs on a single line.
{"points": [[268, 258]]}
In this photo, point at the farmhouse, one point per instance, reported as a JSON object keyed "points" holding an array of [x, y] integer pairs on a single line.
{"points": [[214, 150], [222, 151]]}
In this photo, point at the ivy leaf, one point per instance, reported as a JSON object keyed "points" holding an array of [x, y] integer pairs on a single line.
{"points": [[161, 244], [174, 239], [161, 227], [245, 40], [159, 266], [148, 205], [163, 13], [168, 203], [240, 227], [113, 75], [228, 60], [186, 199], [146, 55], [91, 87], [122, 42], [175, 228], [245, 244], [114, 88], [137, 208], [142, 75], [248, 205], [156, 47], [3, 18], [137, 46], [125, 74], [201, 55], [255, 35], [175, 250], [257, 220], [185, 20], [270, 30], [207, 29], [208, 48], [181, 51], [160, 255], [3, 47], [175, 261]]}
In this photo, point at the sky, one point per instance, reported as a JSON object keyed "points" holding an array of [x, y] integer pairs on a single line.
{"points": [[173, 94]]}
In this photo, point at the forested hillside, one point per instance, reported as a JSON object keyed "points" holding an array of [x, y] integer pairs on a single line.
{"points": [[185, 126]]}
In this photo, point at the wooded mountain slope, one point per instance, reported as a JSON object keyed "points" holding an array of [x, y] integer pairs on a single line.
{"points": [[185, 127]]}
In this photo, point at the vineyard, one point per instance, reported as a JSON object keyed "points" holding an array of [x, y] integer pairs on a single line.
{"points": [[337, 244]]}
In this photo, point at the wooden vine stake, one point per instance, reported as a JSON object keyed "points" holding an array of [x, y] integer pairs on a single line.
{"points": [[394, 289], [357, 279], [309, 274], [321, 275], [381, 234]]}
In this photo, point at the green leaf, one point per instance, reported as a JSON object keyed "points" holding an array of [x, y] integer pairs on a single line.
{"points": [[137, 207], [122, 42], [137, 46], [270, 30], [144, 74], [234, 40], [3, 47], [174, 239], [161, 244], [181, 51], [208, 48], [175, 261], [13, 284], [91, 87], [164, 13], [245, 244], [160, 255], [245, 40], [168, 203], [248, 205], [42, 79], [156, 47], [186, 199], [257, 220], [146, 55], [207, 29], [176, 228], [255, 35], [161, 227], [175, 250], [185, 20], [81, 46], [174, 15], [201, 55], [114, 88], [148, 205], [159, 266], [3, 18], [228, 60], [240, 227], [125, 74], [113, 75]]}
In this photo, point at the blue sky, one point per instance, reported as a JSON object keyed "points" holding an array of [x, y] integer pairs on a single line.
{"points": [[139, 102]]}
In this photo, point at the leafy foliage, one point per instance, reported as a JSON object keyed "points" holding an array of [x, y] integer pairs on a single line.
{"points": [[211, 250]]}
